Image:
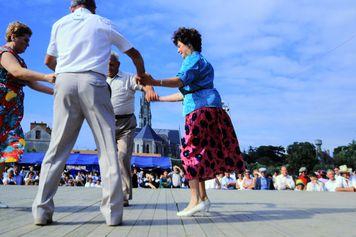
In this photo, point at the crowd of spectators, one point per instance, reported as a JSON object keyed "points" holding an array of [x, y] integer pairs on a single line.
{"points": [[154, 180], [340, 179], [30, 176]]}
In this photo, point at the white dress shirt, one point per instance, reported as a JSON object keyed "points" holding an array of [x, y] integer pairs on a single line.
{"points": [[81, 41], [226, 181], [331, 185], [344, 183], [123, 87], [315, 187], [283, 182]]}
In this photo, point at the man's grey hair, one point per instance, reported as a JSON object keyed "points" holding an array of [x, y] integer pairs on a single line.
{"points": [[87, 3], [329, 170], [115, 55]]}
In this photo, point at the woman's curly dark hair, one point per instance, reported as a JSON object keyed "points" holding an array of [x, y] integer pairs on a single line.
{"points": [[17, 29], [188, 36]]}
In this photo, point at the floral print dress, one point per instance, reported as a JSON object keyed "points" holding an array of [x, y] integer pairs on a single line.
{"points": [[12, 143]]}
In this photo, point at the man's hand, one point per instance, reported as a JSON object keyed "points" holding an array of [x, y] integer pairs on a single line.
{"points": [[150, 94]]}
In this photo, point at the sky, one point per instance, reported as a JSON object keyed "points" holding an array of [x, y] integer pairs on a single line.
{"points": [[286, 69]]}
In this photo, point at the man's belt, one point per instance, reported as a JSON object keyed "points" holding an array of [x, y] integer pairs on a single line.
{"points": [[121, 116]]}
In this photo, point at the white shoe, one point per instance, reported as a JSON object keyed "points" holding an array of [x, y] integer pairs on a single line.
{"points": [[198, 208], [2, 205], [207, 204]]}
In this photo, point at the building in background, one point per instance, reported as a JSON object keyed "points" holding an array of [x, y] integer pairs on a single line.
{"points": [[164, 142], [38, 138]]}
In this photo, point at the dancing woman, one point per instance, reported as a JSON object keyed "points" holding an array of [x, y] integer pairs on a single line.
{"points": [[210, 145], [13, 77]]}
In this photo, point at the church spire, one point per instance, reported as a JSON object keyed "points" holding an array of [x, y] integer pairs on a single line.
{"points": [[145, 112]]}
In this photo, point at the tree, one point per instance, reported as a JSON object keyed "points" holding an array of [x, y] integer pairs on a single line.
{"points": [[271, 155], [301, 154], [346, 155]]}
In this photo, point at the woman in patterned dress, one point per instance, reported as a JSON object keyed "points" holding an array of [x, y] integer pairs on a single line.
{"points": [[209, 146], [13, 77]]}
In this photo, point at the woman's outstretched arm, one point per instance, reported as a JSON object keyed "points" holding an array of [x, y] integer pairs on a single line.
{"points": [[10, 63], [41, 88], [147, 79], [171, 98]]}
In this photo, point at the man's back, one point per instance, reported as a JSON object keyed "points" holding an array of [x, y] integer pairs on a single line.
{"points": [[82, 41]]}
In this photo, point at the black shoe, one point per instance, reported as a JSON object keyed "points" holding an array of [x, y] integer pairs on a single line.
{"points": [[43, 222]]}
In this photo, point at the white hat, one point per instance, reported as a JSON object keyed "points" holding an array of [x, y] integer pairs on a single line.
{"points": [[302, 169], [344, 169], [262, 169]]}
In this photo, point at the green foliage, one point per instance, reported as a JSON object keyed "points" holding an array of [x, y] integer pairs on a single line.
{"points": [[301, 154], [346, 155], [266, 155]]}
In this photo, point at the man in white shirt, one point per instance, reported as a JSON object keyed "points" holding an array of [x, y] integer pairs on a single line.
{"points": [[345, 183], [123, 88], [284, 181], [79, 52], [332, 183], [228, 182]]}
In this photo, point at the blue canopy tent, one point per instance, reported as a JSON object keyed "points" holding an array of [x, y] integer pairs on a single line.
{"points": [[162, 162], [91, 160]]}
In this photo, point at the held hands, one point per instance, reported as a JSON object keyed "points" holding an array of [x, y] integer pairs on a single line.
{"points": [[145, 79], [51, 78], [151, 95]]}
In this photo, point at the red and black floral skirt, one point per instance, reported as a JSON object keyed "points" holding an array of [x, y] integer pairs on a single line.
{"points": [[210, 145]]}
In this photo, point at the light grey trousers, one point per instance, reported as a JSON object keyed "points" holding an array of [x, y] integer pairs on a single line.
{"points": [[124, 134], [80, 96]]}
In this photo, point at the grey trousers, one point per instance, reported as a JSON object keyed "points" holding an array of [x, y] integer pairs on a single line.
{"points": [[124, 134], [80, 96]]}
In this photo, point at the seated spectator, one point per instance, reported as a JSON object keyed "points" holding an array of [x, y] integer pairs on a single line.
{"points": [[23, 171], [176, 176], [80, 179], [239, 181], [95, 177], [31, 179], [31, 169], [284, 181], [345, 184], [18, 177], [98, 184], [263, 182], [274, 176], [247, 182], [89, 183], [228, 182], [353, 179], [332, 183], [299, 185], [315, 185], [165, 180], [303, 175], [323, 178], [185, 182], [255, 175], [337, 173], [9, 180], [150, 182]]}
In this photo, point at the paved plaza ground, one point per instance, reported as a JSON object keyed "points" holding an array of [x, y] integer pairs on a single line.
{"points": [[153, 213]]}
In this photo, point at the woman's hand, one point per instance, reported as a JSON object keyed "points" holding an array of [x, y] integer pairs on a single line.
{"points": [[51, 78]]}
